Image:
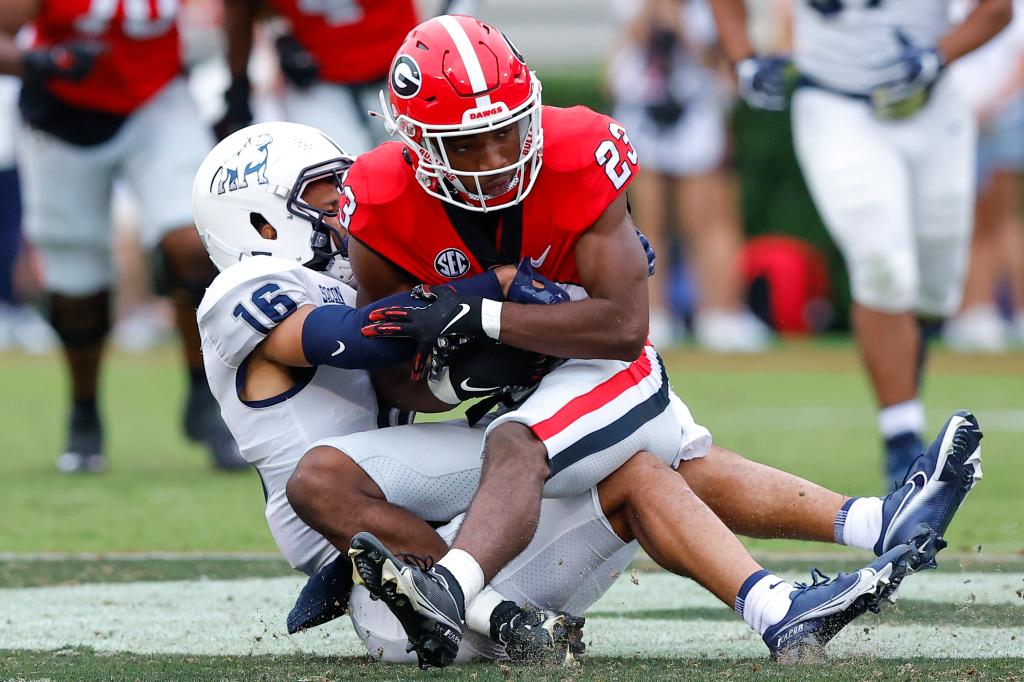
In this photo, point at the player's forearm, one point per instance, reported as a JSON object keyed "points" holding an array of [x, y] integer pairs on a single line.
{"points": [[10, 57], [731, 19], [987, 19], [591, 328]]}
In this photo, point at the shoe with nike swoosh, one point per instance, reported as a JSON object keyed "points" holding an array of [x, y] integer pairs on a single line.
{"points": [[933, 490], [820, 610]]}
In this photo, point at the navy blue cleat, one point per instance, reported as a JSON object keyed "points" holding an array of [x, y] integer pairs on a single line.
{"points": [[324, 597], [901, 451], [820, 610], [425, 599], [933, 490]]}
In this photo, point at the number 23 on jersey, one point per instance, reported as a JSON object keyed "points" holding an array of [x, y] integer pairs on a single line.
{"points": [[608, 156]]}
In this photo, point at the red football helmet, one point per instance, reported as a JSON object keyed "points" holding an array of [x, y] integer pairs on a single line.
{"points": [[457, 76]]}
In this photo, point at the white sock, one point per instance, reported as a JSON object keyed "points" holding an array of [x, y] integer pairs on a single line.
{"points": [[763, 600], [859, 522], [466, 571], [901, 418], [479, 610]]}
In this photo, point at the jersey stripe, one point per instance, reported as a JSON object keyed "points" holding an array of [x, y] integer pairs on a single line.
{"points": [[469, 58], [597, 397]]}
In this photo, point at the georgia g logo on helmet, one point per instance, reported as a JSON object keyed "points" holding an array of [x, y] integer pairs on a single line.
{"points": [[405, 77]]}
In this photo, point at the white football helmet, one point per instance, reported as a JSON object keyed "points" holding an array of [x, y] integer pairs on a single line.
{"points": [[257, 175]]}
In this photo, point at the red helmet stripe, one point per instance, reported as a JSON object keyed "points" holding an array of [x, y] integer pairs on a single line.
{"points": [[469, 58]]}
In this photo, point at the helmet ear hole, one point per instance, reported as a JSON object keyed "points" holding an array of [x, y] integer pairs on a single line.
{"points": [[263, 226]]}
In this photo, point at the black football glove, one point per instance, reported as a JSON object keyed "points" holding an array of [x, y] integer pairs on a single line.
{"points": [[297, 64], [237, 114], [490, 369], [446, 323], [71, 60]]}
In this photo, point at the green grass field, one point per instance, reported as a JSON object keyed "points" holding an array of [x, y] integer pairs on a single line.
{"points": [[804, 407]]}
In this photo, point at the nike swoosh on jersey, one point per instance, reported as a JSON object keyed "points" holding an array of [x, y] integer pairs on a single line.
{"points": [[464, 310], [341, 349], [537, 262], [477, 389]]}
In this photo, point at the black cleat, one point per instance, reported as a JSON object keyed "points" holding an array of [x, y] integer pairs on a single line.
{"points": [[84, 451], [420, 596], [203, 425]]}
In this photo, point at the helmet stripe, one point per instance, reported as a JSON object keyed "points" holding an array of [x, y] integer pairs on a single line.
{"points": [[468, 56]]}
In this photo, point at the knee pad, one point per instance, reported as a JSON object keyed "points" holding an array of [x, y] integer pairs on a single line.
{"points": [[80, 321], [884, 281], [184, 273]]}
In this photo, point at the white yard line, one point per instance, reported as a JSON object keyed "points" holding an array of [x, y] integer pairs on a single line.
{"points": [[241, 617]]}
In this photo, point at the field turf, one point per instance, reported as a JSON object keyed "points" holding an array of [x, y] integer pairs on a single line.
{"points": [[805, 407]]}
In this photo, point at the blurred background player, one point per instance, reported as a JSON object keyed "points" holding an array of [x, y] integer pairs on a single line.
{"points": [[675, 106], [21, 325], [886, 145], [992, 315], [334, 57], [103, 98]]}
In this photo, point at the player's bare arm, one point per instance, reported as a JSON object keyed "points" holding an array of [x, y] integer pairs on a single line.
{"points": [[988, 18], [731, 19], [376, 276], [612, 323], [13, 15]]}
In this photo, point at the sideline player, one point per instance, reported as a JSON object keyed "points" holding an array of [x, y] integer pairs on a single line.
{"points": [[283, 350], [103, 97], [334, 58], [886, 145]]}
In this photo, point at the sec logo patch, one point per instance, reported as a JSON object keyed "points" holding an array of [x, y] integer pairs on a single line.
{"points": [[451, 263]]}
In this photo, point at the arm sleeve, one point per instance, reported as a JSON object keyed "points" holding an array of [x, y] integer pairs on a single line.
{"points": [[332, 334]]}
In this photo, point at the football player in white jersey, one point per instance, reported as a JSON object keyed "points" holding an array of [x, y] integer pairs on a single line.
{"points": [[886, 145], [284, 351]]}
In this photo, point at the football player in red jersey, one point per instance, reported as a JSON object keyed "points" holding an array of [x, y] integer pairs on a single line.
{"points": [[478, 180], [334, 58], [102, 97]]}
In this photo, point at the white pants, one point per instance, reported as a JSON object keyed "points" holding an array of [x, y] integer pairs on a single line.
{"points": [[593, 415], [571, 562], [896, 196], [67, 188], [340, 111]]}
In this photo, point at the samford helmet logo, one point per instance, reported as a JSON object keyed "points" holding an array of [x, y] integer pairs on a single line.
{"points": [[484, 112], [250, 159], [405, 77]]}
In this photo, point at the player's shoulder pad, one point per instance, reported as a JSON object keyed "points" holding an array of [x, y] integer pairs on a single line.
{"points": [[244, 273], [380, 175], [573, 135]]}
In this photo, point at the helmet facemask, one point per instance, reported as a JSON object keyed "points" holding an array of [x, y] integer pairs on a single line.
{"points": [[438, 178], [326, 241]]}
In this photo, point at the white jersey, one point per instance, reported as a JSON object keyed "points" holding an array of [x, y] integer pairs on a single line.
{"points": [[239, 309], [851, 45]]}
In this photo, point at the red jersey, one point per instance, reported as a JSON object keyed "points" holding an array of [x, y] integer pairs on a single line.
{"points": [[142, 55], [352, 41], [588, 162]]}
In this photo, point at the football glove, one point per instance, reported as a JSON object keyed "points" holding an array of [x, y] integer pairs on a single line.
{"points": [[762, 82], [297, 64], [652, 257], [490, 369], [446, 323], [529, 286], [237, 114], [907, 95], [71, 60]]}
